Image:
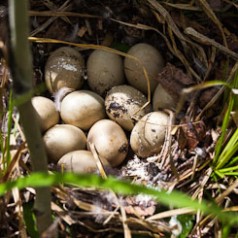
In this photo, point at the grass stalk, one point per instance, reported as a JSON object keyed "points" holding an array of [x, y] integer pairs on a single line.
{"points": [[20, 62], [218, 159]]}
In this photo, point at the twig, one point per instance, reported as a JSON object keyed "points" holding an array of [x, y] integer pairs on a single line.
{"points": [[61, 14], [207, 41], [49, 21]]}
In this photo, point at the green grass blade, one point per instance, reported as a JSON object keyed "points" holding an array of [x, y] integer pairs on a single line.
{"points": [[30, 220], [187, 222], [233, 162], [174, 198], [218, 148], [229, 150], [219, 174], [230, 173], [228, 169]]}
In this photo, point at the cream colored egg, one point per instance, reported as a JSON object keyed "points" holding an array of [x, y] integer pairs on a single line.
{"points": [[162, 99], [109, 141], [82, 109], [150, 58], [124, 105], [64, 68], [63, 138], [105, 70], [78, 161], [148, 135], [46, 112]]}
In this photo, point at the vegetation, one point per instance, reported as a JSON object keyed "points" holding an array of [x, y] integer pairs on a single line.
{"points": [[190, 188]]}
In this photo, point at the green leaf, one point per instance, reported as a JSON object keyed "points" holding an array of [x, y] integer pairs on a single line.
{"points": [[187, 222], [229, 151], [30, 220], [218, 159]]}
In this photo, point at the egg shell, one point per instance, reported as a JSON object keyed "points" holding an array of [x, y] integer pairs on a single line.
{"points": [[109, 140], [78, 161], [105, 70], [162, 99], [123, 104], [147, 136], [63, 138], [152, 61], [64, 68], [82, 109], [46, 112]]}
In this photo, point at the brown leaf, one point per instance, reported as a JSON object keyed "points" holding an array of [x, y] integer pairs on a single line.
{"points": [[140, 206], [137, 210], [174, 80], [191, 133]]}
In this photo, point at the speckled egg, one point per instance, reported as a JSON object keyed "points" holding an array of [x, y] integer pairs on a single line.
{"points": [[124, 105], [148, 135], [64, 68]]}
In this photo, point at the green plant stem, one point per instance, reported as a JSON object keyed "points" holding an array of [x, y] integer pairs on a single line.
{"points": [[20, 62], [218, 159]]}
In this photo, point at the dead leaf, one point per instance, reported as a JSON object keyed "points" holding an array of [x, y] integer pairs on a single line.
{"points": [[140, 206], [191, 133], [174, 80]]}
